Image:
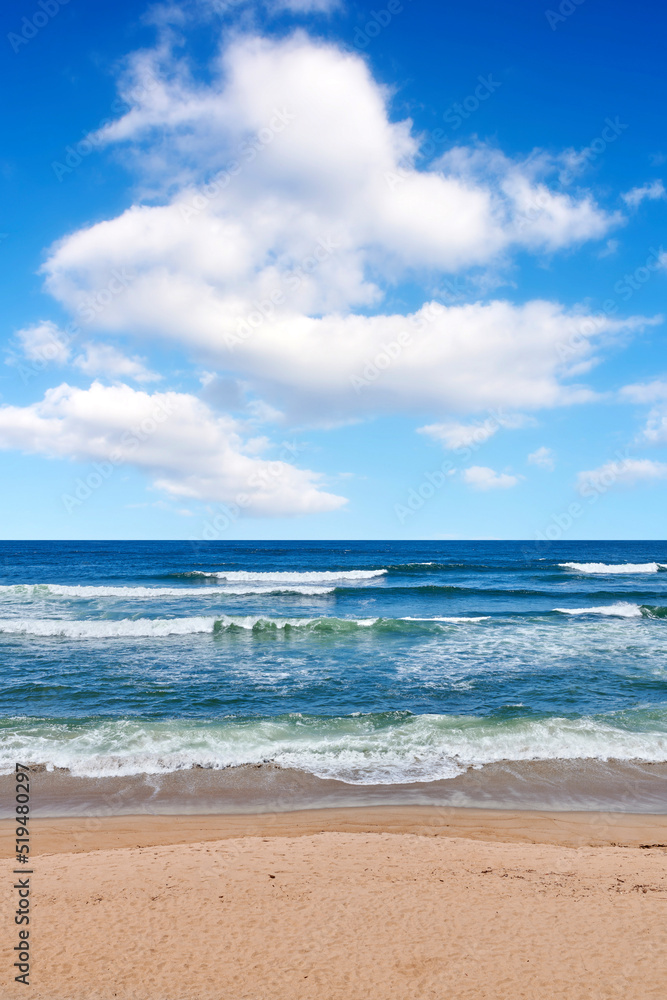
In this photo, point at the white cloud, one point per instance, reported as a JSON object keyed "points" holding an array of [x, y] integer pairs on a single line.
{"points": [[654, 431], [44, 343], [543, 457], [174, 15], [453, 359], [455, 435], [186, 449], [480, 477], [625, 472], [317, 204], [610, 248], [305, 6], [103, 359], [651, 191], [645, 392]]}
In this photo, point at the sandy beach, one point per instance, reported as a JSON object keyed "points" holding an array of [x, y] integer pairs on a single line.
{"points": [[359, 903]]}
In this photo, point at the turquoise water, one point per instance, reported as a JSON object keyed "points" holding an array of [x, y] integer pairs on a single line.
{"points": [[369, 663]]}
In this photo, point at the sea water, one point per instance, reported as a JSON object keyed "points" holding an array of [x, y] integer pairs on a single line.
{"points": [[462, 672]]}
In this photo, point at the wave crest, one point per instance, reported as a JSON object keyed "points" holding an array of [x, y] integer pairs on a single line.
{"points": [[287, 576], [380, 748], [164, 627], [37, 590], [613, 568]]}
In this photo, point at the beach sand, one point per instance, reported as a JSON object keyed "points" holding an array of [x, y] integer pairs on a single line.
{"points": [[383, 903]]}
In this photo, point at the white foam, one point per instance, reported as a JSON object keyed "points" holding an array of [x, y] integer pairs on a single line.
{"points": [[353, 750], [142, 593], [623, 609], [293, 576], [610, 568], [452, 619], [125, 627], [161, 627]]}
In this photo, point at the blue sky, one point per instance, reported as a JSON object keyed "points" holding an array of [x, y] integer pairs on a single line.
{"points": [[302, 269]]}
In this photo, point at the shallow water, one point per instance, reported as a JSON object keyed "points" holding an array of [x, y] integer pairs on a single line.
{"points": [[370, 665]]}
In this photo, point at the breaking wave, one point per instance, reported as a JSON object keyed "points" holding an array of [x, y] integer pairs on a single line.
{"points": [[379, 748], [611, 568], [163, 627], [622, 609], [85, 592], [287, 576]]}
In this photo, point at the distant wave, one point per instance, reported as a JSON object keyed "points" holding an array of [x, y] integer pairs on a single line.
{"points": [[609, 568], [287, 576], [164, 627], [623, 609], [125, 627], [479, 618], [383, 748], [22, 593], [83, 592]]}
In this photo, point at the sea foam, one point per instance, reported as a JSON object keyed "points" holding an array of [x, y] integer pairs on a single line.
{"points": [[612, 568], [290, 576], [383, 748], [623, 609], [130, 593]]}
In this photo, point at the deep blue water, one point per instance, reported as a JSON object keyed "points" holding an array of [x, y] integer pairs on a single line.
{"points": [[409, 660]]}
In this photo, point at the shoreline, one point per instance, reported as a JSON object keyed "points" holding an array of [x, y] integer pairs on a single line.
{"points": [[75, 835], [562, 785]]}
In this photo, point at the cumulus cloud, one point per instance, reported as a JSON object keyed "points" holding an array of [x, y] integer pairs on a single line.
{"points": [[543, 457], [624, 472], [338, 365], [103, 359], [480, 477], [186, 449], [651, 192], [289, 201]]}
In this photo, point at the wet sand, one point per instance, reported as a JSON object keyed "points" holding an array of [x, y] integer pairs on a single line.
{"points": [[568, 829]]}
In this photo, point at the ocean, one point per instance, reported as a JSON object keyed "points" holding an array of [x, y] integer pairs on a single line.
{"points": [[178, 676]]}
